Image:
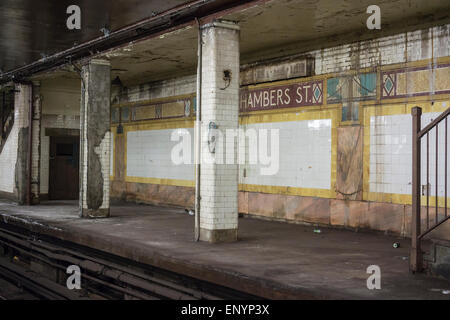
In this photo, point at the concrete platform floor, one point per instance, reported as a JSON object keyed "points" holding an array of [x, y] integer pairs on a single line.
{"points": [[271, 259]]}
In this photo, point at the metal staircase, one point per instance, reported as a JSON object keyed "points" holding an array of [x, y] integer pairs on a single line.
{"points": [[429, 201]]}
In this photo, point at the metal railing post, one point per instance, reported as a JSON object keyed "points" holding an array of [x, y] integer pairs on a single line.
{"points": [[416, 251]]}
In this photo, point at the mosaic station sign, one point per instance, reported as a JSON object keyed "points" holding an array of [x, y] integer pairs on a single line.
{"points": [[285, 96]]}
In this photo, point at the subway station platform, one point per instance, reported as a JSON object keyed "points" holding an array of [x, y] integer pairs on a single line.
{"points": [[274, 260]]}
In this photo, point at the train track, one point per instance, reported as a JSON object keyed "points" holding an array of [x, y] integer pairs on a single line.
{"points": [[13, 291], [39, 287], [39, 263]]}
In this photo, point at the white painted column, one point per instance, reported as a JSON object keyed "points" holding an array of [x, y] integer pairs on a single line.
{"points": [[95, 139], [220, 107]]}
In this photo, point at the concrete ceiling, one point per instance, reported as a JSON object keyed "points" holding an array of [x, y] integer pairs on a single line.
{"points": [[31, 29], [275, 28], [301, 25], [167, 56]]}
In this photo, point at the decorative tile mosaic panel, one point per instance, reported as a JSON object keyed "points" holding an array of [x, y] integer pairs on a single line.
{"points": [[352, 88], [401, 83], [170, 109]]}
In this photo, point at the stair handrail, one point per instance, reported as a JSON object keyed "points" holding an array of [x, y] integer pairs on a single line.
{"points": [[416, 259]]}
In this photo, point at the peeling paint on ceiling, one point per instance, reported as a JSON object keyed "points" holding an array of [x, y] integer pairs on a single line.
{"points": [[272, 29]]}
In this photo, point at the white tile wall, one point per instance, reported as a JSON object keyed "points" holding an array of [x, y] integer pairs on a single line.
{"points": [[391, 153], [149, 155], [8, 156], [305, 155]]}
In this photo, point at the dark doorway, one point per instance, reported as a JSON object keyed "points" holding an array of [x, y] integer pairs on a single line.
{"points": [[64, 168]]}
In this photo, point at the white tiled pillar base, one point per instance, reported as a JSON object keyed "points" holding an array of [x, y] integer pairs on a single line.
{"points": [[220, 104], [95, 139]]}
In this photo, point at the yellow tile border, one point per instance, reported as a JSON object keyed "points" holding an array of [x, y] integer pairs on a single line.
{"points": [[154, 101], [167, 182], [387, 110], [416, 64], [404, 199], [295, 191], [349, 123], [113, 138], [160, 124], [418, 99], [299, 116], [379, 85], [291, 115], [291, 109]]}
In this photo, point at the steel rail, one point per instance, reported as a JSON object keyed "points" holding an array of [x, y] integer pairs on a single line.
{"points": [[110, 274], [37, 285], [101, 265], [157, 290]]}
